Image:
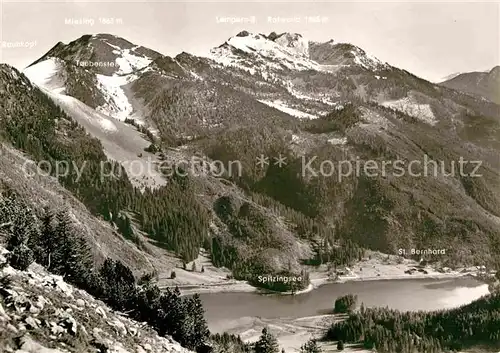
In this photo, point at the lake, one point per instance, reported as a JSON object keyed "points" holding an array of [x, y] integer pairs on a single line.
{"points": [[224, 309]]}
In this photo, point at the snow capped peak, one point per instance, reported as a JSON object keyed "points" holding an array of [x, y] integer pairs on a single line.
{"points": [[295, 41], [102, 53], [251, 51], [48, 74], [243, 34], [290, 51], [106, 36]]}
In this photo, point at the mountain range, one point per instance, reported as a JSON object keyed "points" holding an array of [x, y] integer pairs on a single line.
{"points": [[256, 133], [255, 94]]}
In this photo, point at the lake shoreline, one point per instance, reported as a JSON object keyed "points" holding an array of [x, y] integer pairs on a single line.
{"points": [[378, 267], [295, 319], [237, 286]]}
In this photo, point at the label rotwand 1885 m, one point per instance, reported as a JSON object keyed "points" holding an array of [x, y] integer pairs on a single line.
{"points": [[429, 251]]}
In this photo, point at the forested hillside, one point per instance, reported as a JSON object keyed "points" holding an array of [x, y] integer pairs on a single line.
{"points": [[35, 125], [476, 324]]}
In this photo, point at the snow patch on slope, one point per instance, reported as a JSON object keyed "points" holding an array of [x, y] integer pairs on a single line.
{"points": [[121, 142], [47, 74], [128, 61], [280, 105], [366, 60], [338, 140], [412, 108], [117, 104]]}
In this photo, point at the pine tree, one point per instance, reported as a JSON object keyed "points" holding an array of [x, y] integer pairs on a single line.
{"points": [[310, 347], [19, 224], [340, 345], [267, 343], [21, 257], [62, 244], [119, 283], [47, 241], [345, 303], [198, 333], [80, 268]]}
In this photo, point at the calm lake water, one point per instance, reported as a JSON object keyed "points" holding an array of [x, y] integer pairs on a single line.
{"points": [[426, 294]]}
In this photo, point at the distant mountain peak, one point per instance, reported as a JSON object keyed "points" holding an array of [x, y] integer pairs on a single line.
{"points": [[495, 72], [451, 76], [102, 53], [267, 52], [290, 51], [485, 84], [295, 42], [343, 54]]}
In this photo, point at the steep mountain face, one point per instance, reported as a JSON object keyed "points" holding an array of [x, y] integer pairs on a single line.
{"points": [[483, 84], [282, 95]]}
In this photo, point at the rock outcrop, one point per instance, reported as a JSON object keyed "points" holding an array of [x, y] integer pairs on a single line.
{"points": [[39, 312]]}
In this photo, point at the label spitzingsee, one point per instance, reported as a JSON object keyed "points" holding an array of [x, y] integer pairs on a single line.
{"points": [[283, 279]]}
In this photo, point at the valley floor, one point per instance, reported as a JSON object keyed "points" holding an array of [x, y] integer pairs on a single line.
{"points": [[293, 332], [376, 266]]}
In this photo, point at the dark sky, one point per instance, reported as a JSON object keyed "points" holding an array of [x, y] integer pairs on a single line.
{"points": [[430, 39]]}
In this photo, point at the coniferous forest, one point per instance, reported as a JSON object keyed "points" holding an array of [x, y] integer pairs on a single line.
{"points": [[389, 330], [53, 243]]}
